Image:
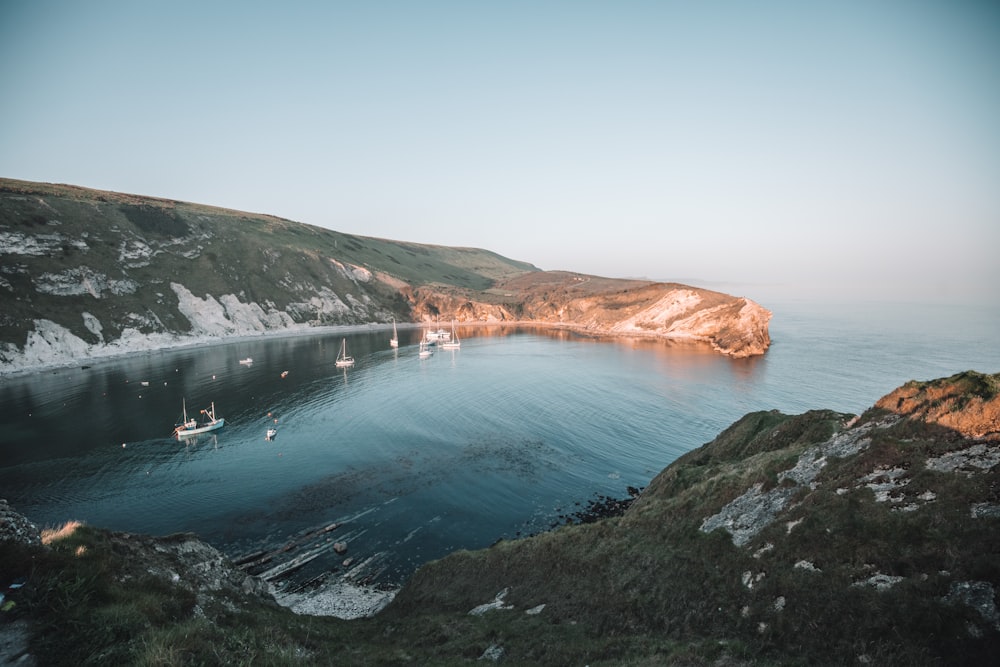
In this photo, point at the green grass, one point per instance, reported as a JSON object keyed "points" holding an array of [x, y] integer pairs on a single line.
{"points": [[260, 258], [644, 588]]}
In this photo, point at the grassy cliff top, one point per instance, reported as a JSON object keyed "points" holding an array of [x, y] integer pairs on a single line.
{"points": [[819, 538]]}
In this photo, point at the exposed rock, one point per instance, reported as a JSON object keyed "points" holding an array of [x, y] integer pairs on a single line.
{"points": [[497, 603], [735, 326], [341, 599], [880, 582], [980, 595], [968, 403], [493, 653], [969, 460], [16, 528], [745, 516], [186, 561]]}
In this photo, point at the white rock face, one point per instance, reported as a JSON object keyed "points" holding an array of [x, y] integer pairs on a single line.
{"points": [[50, 342], [81, 281], [227, 316], [16, 243], [93, 325], [672, 305]]}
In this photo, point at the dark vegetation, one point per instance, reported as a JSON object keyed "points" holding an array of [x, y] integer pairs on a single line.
{"points": [[631, 581]]}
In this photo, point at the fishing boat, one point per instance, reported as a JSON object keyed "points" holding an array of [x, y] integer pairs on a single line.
{"points": [[192, 427], [394, 341], [343, 359], [452, 342]]}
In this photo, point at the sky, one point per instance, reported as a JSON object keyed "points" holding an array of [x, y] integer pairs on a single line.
{"points": [[814, 150]]}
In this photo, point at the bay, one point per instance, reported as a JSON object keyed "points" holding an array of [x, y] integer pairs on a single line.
{"points": [[412, 458]]}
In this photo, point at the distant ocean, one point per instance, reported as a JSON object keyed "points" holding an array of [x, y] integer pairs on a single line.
{"points": [[512, 433]]}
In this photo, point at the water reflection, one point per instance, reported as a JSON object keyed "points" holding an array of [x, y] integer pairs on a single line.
{"points": [[494, 439]]}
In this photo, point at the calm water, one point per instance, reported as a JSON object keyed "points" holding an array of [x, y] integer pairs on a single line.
{"points": [[416, 458]]}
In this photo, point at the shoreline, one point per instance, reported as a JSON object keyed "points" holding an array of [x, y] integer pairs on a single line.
{"points": [[111, 351]]}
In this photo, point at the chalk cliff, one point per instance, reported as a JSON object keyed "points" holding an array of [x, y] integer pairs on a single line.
{"points": [[87, 273]]}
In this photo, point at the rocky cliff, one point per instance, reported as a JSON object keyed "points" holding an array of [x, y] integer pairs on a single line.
{"points": [[87, 273], [820, 538], [735, 326]]}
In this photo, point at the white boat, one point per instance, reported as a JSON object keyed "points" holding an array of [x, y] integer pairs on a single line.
{"points": [[425, 349], [271, 432], [434, 336], [452, 342], [247, 361], [394, 341], [193, 427], [343, 359]]}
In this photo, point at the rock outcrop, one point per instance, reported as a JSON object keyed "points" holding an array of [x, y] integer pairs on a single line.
{"points": [[968, 403], [16, 528], [735, 326]]}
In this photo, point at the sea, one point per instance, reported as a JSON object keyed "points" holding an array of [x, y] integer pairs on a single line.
{"points": [[380, 467]]}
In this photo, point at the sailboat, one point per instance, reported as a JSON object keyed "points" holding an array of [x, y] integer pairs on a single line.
{"points": [[452, 342], [394, 341], [192, 427], [425, 349], [343, 360]]}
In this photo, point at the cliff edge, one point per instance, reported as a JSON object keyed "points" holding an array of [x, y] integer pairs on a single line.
{"points": [[820, 538]]}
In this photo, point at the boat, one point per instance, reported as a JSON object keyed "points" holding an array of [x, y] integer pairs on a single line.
{"points": [[425, 349], [193, 427], [271, 432], [247, 361], [343, 359], [439, 334], [394, 341], [452, 342], [284, 374]]}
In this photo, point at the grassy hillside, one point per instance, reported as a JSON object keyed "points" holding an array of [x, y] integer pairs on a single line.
{"points": [[69, 250], [807, 539], [83, 270]]}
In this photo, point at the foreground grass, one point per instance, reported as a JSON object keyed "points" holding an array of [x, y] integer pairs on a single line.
{"points": [[649, 587]]}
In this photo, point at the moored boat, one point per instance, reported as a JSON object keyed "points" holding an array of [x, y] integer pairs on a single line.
{"points": [[343, 359], [192, 426], [452, 342]]}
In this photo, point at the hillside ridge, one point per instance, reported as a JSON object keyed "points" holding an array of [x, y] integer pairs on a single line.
{"points": [[88, 273]]}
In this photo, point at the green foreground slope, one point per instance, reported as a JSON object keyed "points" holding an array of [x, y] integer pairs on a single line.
{"points": [[819, 538]]}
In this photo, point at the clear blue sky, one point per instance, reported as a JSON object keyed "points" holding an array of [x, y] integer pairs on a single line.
{"points": [[820, 149]]}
